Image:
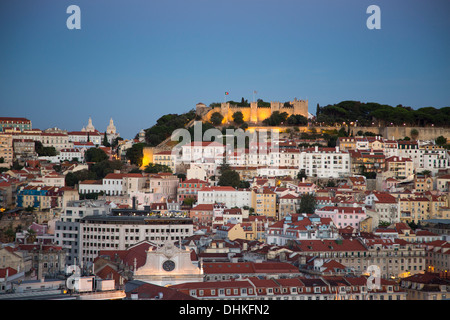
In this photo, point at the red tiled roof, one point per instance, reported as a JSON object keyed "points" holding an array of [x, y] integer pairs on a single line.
{"points": [[203, 207], [248, 267]]}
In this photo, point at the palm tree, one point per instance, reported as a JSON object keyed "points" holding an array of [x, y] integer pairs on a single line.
{"points": [[31, 236]]}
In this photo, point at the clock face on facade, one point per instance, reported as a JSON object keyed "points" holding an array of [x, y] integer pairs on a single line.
{"points": [[168, 265]]}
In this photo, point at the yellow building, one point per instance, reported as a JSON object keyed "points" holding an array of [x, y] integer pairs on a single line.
{"points": [[165, 158], [421, 208], [423, 183], [241, 231], [346, 143], [264, 201], [399, 167], [6, 148]]}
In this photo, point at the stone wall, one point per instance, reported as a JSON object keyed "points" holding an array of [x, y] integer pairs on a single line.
{"points": [[425, 133]]}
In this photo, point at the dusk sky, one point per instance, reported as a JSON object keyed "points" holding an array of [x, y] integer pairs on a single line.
{"points": [[135, 61]]}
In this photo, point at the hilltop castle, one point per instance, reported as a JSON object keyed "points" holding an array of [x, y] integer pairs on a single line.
{"points": [[253, 113]]}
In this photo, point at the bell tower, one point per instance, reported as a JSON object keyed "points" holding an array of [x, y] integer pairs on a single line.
{"points": [[168, 265]]}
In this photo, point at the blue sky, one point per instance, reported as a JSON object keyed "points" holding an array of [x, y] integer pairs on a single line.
{"points": [[135, 61]]}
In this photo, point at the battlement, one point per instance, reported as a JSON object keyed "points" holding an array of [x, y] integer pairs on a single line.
{"points": [[253, 112]]}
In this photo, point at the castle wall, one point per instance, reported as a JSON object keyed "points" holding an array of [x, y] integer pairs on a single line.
{"points": [[425, 133], [253, 113]]}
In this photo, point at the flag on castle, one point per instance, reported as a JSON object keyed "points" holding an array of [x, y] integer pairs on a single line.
{"points": [[227, 93]]}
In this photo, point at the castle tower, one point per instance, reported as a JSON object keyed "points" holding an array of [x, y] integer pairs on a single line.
{"points": [[254, 112], [224, 108], [275, 106], [300, 107]]}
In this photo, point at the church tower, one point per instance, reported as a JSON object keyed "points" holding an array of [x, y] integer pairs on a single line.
{"points": [[90, 127], [111, 129], [168, 265]]}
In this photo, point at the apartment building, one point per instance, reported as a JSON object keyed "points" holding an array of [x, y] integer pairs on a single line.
{"points": [[189, 188], [292, 288], [427, 286], [14, 122], [202, 151], [67, 228], [419, 208], [264, 201], [395, 258], [343, 216], [229, 196], [6, 148], [399, 167], [124, 228], [325, 162], [288, 204], [166, 158], [57, 140]]}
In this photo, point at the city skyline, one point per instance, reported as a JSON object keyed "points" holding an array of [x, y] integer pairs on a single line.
{"points": [[137, 61]]}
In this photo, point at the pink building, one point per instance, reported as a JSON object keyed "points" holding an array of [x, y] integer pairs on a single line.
{"points": [[343, 216]]}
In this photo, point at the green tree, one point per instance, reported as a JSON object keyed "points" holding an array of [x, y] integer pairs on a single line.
{"points": [[441, 140], [102, 168], [95, 155], [105, 141], [228, 176], [331, 184], [297, 120], [135, 154], [156, 168], [73, 178], [276, 119], [308, 203], [414, 134], [31, 236], [216, 118], [165, 125], [238, 117], [301, 174], [44, 151], [189, 201]]}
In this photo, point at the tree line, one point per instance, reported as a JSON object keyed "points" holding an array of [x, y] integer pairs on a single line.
{"points": [[370, 113]]}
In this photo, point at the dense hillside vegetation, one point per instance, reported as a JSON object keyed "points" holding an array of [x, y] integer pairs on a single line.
{"points": [[165, 126], [370, 113]]}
